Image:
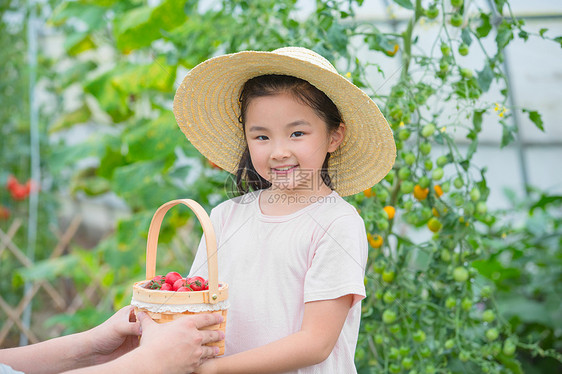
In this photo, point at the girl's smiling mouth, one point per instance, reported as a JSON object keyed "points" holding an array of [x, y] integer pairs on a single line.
{"points": [[283, 169]]}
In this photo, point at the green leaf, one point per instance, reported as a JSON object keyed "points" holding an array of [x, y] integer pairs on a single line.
{"points": [[142, 186], [102, 3], [66, 156], [546, 200], [510, 363], [477, 120], [89, 183], [485, 27], [527, 310], [132, 233], [50, 269], [154, 140], [110, 98], [494, 270], [112, 159], [82, 319], [505, 34], [75, 73], [466, 37], [128, 179], [337, 38], [133, 30], [141, 26], [508, 135], [67, 120], [380, 42], [135, 79], [542, 31], [558, 39], [535, 117], [169, 14], [405, 4], [77, 43], [485, 77], [473, 134], [90, 14], [499, 5], [523, 35]]}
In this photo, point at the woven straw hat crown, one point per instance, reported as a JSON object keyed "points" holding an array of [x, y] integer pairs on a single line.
{"points": [[207, 108]]}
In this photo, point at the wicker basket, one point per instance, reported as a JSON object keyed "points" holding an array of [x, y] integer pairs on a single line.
{"points": [[166, 306]]}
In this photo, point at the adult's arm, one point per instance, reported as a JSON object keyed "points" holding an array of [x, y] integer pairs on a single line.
{"points": [[111, 346], [117, 335]]}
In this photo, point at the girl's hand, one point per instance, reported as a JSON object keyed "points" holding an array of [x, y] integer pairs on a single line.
{"points": [[115, 337]]}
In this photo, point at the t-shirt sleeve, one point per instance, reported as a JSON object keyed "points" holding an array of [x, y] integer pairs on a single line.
{"points": [[339, 260], [199, 266]]}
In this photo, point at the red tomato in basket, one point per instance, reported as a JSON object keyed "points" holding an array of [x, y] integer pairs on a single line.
{"points": [[196, 283], [166, 287], [156, 282], [172, 276], [179, 283], [160, 279], [184, 289]]}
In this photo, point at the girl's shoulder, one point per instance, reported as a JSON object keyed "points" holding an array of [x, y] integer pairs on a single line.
{"points": [[338, 205]]}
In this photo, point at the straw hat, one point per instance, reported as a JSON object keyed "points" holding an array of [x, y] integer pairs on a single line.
{"points": [[206, 108]]}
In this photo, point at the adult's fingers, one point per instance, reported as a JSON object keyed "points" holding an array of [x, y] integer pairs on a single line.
{"points": [[145, 321], [134, 326], [205, 320], [210, 336], [209, 352]]}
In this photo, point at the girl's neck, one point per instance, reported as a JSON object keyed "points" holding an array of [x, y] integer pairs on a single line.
{"points": [[280, 202]]}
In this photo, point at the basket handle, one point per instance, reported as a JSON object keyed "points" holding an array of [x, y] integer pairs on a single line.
{"points": [[210, 240]]}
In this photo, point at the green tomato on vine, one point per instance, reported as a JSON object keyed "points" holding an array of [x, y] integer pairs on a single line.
{"points": [[463, 49], [432, 12], [457, 3], [456, 20]]}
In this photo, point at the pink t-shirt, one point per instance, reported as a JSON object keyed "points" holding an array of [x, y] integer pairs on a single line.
{"points": [[275, 264]]}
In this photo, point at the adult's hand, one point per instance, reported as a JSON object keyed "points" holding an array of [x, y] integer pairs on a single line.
{"points": [[178, 346], [173, 347], [115, 337]]}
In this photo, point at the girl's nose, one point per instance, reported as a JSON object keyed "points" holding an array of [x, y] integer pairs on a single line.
{"points": [[280, 151]]}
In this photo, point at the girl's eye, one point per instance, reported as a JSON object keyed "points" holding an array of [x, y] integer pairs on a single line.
{"points": [[297, 134], [261, 137]]}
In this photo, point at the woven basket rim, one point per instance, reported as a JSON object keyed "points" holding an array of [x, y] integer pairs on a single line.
{"points": [[178, 298]]}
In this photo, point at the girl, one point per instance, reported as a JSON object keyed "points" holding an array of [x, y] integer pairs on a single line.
{"points": [[298, 137]]}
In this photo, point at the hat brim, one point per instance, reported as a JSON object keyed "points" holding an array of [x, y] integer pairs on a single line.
{"points": [[206, 108]]}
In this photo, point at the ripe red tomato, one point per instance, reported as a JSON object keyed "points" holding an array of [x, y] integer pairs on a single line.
{"points": [[196, 283], [156, 282], [166, 287], [172, 276], [19, 192], [184, 289], [12, 182], [159, 278], [178, 284]]}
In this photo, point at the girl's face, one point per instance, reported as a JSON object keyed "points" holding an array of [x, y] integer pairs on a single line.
{"points": [[288, 142]]}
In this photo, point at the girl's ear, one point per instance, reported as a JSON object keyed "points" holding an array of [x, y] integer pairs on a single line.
{"points": [[336, 137]]}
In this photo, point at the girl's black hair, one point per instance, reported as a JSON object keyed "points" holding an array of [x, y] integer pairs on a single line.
{"points": [[247, 178]]}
